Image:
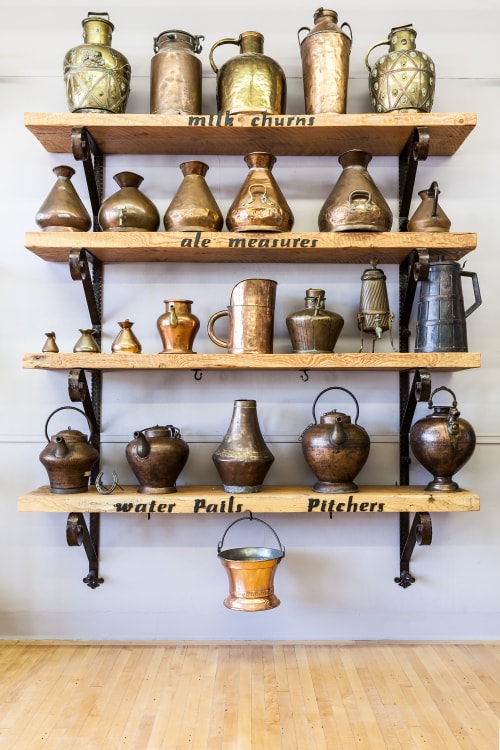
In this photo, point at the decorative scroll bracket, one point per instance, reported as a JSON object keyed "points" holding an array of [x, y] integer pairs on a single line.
{"points": [[78, 533], [419, 533], [84, 147], [79, 267], [415, 150]]}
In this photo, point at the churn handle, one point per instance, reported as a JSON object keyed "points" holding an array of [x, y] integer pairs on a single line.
{"points": [[60, 408], [221, 41], [251, 517], [302, 28], [337, 388], [349, 27], [475, 287], [378, 44]]}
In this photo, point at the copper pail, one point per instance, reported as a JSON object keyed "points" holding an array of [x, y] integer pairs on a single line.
{"points": [[250, 571]]}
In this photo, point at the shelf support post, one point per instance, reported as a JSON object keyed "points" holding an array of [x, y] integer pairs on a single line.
{"points": [[78, 533]]}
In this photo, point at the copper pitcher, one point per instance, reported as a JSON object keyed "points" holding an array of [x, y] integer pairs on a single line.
{"points": [[251, 318], [429, 216], [178, 327]]}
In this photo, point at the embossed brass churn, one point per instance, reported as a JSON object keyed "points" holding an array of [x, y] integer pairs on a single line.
{"points": [[374, 315], [97, 77], [441, 312], [251, 572], [68, 458], [178, 327], [175, 86], [325, 53], [442, 442], [157, 456], [243, 458], [251, 82], [314, 329], [335, 450], [404, 79]]}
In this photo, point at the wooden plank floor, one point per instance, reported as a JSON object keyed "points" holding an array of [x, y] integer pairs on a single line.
{"points": [[249, 695]]}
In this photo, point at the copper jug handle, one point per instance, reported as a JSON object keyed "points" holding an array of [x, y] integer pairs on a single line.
{"points": [[237, 42], [60, 409], [302, 28], [378, 44], [210, 328], [250, 517], [335, 388]]}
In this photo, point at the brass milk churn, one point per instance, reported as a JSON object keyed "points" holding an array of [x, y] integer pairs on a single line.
{"points": [[251, 82], [314, 329], [335, 450], [175, 86], [251, 318], [429, 216], [442, 442], [243, 459], [178, 327], [404, 79], [325, 53], [355, 204], [97, 77], [68, 458], [157, 456], [441, 311], [374, 315]]}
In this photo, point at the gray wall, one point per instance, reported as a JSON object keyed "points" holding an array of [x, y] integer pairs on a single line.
{"points": [[162, 577]]}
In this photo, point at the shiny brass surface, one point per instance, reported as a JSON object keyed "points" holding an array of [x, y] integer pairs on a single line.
{"points": [[128, 210], [429, 216], [374, 314], [175, 85], [126, 341], [251, 82], [325, 53], [355, 204], [442, 442], [193, 207], [86, 342], [251, 318], [178, 327], [260, 206], [404, 79], [335, 449], [314, 329], [243, 458], [62, 209], [97, 77], [157, 456], [50, 343]]}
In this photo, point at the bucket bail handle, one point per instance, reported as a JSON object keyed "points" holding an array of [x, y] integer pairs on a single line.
{"points": [[250, 517]]}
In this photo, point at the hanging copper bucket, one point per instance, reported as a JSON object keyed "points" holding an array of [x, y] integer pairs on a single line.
{"points": [[250, 571]]}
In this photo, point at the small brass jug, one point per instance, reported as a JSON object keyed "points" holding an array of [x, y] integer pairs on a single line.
{"points": [[86, 342], [126, 342], [251, 82], [429, 216]]}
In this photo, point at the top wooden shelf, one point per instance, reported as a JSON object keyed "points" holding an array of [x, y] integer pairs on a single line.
{"points": [[292, 135]]}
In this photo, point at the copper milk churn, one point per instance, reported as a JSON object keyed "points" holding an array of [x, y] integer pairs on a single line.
{"points": [[335, 450], [374, 314], [68, 458], [251, 318], [404, 79], [175, 86], [441, 310], [429, 216], [250, 572], [243, 459], [97, 77], [251, 82], [314, 329], [178, 327], [325, 53], [442, 442], [157, 456]]}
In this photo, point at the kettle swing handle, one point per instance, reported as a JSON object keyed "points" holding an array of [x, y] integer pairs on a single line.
{"points": [[250, 517], [237, 42], [454, 413], [337, 388], [60, 408]]}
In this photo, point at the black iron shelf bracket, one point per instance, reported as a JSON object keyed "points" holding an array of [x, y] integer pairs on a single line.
{"points": [[80, 262], [86, 150], [78, 533], [419, 533]]}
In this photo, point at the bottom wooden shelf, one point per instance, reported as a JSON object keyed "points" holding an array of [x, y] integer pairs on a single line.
{"points": [[272, 499]]}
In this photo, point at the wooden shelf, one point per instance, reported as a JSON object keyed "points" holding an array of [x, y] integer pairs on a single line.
{"points": [[299, 135], [394, 361], [225, 247], [210, 499]]}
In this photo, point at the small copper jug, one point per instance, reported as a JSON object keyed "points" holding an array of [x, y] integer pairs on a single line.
{"points": [[178, 327], [175, 86], [335, 450], [442, 442], [314, 329], [251, 82], [128, 210], [157, 456], [429, 216], [62, 209], [193, 207], [126, 342], [68, 458], [251, 318], [260, 206]]}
